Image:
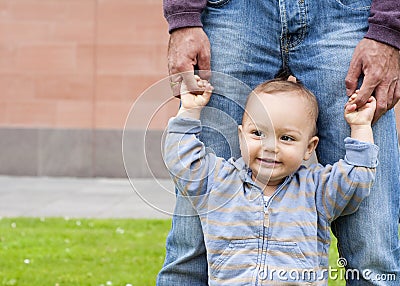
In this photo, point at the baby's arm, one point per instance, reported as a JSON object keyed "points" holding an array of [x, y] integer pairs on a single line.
{"points": [[191, 103], [343, 185], [360, 119], [189, 163]]}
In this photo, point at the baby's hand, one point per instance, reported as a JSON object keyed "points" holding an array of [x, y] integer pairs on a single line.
{"points": [[191, 100], [192, 103], [362, 115]]}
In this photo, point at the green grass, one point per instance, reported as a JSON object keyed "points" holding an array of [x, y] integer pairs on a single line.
{"points": [[105, 252], [81, 252]]}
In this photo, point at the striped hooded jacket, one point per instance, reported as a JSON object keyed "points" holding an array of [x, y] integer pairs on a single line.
{"points": [[282, 241]]}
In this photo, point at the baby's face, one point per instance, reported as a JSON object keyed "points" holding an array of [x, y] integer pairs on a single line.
{"points": [[276, 135]]}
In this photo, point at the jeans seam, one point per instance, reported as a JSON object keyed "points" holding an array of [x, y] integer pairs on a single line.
{"points": [[303, 24], [284, 33]]}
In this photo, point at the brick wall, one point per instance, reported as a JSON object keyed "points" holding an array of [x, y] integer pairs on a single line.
{"points": [[70, 71], [77, 63]]}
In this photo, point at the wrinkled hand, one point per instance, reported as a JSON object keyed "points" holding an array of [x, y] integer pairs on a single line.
{"points": [[188, 48], [380, 65], [363, 115]]}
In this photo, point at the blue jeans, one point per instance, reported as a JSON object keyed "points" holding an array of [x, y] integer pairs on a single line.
{"points": [[252, 40]]}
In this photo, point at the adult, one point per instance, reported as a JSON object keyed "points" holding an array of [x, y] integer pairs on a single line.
{"points": [[333, 47]]}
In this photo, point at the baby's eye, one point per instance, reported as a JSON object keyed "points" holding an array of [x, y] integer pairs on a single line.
{"points": [[287, 138], [258, 133]]}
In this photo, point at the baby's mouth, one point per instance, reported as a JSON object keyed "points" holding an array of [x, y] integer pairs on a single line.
{"points": [[268, 161]]}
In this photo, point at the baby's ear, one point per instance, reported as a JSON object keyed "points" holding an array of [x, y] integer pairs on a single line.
{"points": [[240, 133], [312, 145], [242, 140], [292, 79]]}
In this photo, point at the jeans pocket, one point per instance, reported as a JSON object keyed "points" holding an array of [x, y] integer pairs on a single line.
{"points": [[217, 3], [360, 5]]}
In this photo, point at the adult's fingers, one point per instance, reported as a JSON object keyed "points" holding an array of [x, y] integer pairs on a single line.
{"points": [[391, 101], [204, 62], [394, 78], [381, 102], [394, 91], [387, 91], [370, 84], [396, 94], [353, 74], [175, 81]]}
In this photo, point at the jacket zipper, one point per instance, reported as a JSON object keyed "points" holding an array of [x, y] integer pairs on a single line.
{"points": [[262, 269]]}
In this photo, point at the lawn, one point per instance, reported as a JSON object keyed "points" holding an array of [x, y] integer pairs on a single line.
{"points": [[62, 251]]}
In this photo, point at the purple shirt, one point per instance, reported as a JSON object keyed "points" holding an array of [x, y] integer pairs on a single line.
{"points": [[180, 13], [384, 21]]}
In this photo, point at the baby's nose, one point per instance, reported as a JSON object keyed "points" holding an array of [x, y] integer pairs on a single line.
{"points": [[269, 144]]}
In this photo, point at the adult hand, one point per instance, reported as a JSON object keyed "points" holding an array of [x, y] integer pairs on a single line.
{"points": [[380, 65], [188, 48]]}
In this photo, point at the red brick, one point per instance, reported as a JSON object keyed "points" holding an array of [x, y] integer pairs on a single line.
{"points": [[140, 114], [31, 114], [46, 58], [16, 88], [66, 87], [7, 59], [153, 108], [160, 117], [83, 11], [114, 87], [27, 21], [150, 28], [85, 59], [3, 115], [126, 88], [14, 32], [146, 114], [130, 60], [5, 10], [74, 114], [131, 22], [75, 32], [111, 114], [50, 10]]}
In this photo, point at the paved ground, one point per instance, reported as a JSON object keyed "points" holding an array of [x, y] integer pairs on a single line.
{"points": [[85, 198]]}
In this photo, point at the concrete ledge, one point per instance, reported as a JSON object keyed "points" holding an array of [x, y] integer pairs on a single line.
{"points": [[80, 153]]}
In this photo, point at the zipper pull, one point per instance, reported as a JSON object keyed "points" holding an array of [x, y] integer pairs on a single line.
{"points": [[266, 219]]}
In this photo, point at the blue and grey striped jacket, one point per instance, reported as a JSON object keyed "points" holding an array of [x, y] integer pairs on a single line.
{"points": [[283, 241]]}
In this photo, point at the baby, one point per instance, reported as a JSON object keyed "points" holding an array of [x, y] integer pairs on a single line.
{"points": [[265, 216]]}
